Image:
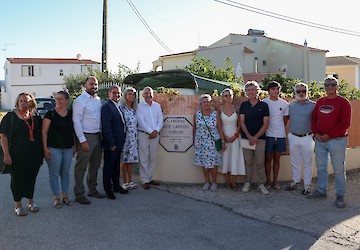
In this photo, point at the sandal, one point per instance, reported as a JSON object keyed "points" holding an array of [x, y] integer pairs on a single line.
{"points": [[57, 203], [234, 187], [67, 202], [19, 211], [32, 208], [277, 187]]}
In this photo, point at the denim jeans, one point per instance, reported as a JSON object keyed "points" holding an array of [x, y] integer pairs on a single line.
{"points": [[336, 149], [59, 167]]}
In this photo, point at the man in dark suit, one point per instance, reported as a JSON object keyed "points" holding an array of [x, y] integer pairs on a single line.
{"points": [[113, 131]]}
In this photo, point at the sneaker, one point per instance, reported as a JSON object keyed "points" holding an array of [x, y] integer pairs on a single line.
{"points": [[125, 186], [263, 189], [213, 186], [133, 185], [246, 187], [206, 186], [339, 203], [316, 194], [293, 185], [306, 191]]}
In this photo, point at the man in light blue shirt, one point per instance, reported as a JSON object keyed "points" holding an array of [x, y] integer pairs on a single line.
{"points": [[301, 143]]}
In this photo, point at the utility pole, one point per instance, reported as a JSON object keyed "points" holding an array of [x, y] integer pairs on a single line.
{"points": [[104, 38]]}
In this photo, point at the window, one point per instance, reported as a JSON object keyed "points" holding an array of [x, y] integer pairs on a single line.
{"points": [[28, 70], [61, 72]]}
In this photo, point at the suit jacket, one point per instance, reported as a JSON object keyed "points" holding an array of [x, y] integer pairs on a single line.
{"points": [[112, 126]]}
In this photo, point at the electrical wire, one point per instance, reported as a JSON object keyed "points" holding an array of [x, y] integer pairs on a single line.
{"points": [[287, 18], [148, 27]]}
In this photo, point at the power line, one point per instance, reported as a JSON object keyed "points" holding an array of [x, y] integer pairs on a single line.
{"points": [[148, 27], [288, 19]]}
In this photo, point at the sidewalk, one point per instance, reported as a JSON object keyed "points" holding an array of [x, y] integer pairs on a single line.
{"points": [[291, 209]]}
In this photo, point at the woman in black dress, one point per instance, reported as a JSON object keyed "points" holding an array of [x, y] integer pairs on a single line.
{"points": [[23, 151]]}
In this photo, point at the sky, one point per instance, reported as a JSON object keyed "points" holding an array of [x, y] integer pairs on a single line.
{"points": [[63, 29]]}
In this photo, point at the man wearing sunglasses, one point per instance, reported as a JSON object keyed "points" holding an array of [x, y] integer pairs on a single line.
{"points": [[330, 120], [301, 144]]}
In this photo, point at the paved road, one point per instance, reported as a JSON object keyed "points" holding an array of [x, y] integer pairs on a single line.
{"points": [[154, 219]]}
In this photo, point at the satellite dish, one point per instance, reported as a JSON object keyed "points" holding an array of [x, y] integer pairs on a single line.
{"points": [[283, 68], [78, 56]]}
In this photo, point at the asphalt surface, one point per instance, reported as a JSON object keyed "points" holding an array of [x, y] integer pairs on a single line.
{"points": [[174, 216]]}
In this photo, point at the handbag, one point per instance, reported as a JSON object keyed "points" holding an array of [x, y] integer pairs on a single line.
{"points": [[218, 142], [6, 169], [218, 145]]}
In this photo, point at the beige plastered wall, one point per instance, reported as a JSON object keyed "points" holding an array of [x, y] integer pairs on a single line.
{"points": [[175, 167]]}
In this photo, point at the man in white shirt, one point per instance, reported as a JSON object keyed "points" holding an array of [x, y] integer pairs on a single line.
{"points": [[275, 134], [150, 122], [87, 126]]}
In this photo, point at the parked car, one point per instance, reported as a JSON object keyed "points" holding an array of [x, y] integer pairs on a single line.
{"points": [[44, 104]]}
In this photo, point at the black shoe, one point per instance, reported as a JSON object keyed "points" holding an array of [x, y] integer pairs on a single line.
{"points": [[121, 191], [96, 194], [110, 195], [340, 203], [82, 200]]}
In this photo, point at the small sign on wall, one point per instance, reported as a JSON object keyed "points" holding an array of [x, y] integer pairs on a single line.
{"points": [[176, 134]]}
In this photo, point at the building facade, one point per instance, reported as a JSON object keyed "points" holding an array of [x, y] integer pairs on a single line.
{"points": [[40, 76], [255, 54], [345, 68]]}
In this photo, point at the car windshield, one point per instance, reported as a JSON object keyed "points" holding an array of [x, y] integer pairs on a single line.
{"points": [[45, 103]]}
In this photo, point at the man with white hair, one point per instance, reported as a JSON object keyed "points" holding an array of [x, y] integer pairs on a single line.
{"points": [[150, 122], [301, 143]]}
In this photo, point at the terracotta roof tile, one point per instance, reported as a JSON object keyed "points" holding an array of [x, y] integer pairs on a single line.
{"points": [[52, 61]]}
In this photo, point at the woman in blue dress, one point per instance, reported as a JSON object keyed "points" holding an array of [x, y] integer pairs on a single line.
{"points": [[207, 127], [130, 153]]}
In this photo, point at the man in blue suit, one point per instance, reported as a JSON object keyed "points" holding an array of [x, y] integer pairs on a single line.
{"points": [[113, 131]]}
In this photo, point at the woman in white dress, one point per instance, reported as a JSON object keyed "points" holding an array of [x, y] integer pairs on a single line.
{"points": [[233, 157]]}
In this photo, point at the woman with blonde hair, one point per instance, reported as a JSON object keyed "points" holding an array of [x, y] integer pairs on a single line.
{"points": [[22, 127], [130, 153]]}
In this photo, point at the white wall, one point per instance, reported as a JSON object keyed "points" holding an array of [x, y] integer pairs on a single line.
{"points": [[46, 81]]}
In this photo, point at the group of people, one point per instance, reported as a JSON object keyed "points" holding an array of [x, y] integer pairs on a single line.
{"points": [[122, 131], [254, 134], [232, 140]]}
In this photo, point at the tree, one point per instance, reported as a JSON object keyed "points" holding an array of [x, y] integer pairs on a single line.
{"points": [[316, 89], [75, 82], [203, 67]]}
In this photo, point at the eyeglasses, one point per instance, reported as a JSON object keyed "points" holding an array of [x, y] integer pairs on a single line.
{"points": [[330, 84], [301, 91]]}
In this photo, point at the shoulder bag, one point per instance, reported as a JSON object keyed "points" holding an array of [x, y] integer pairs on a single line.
{"points": [[218, 142]]}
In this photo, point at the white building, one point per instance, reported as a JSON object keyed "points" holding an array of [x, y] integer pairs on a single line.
{"points": [[257, 55], [40, 76]]}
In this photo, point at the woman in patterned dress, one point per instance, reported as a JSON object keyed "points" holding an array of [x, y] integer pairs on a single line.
{"points": [[206, 121], [130, 153]]}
